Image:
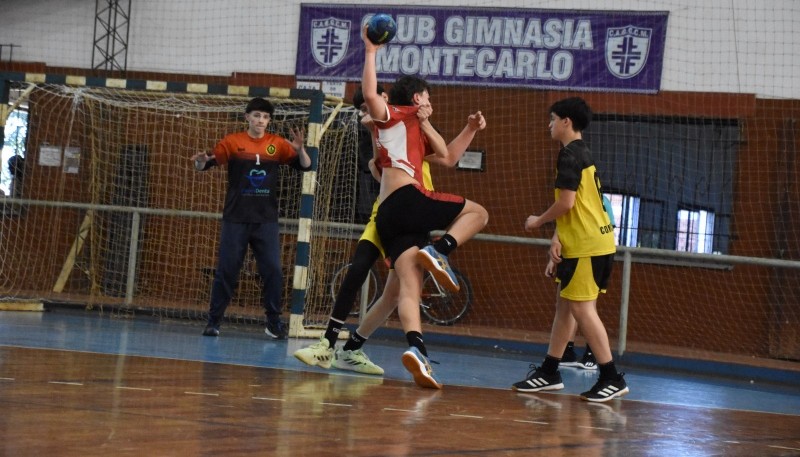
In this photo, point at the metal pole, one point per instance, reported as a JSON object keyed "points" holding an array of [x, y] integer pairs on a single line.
{"points": [[623, 308], [132, 251]]}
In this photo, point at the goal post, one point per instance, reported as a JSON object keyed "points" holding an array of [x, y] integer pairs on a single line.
{"points": [[114, 214]]}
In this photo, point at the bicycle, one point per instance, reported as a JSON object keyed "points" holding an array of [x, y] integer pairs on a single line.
{"points": [[438, 305]]}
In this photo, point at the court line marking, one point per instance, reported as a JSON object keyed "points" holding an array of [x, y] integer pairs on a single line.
{"points": [[531, 422], [7, 379], [784, 447], [134, 388], [466, 416], [66, 383], [667, 435], [596, 428], [401, 410], [201, 393], [336, 404], [268, 399]]}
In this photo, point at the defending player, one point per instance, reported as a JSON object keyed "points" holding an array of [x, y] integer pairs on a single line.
{"points": [[582, 253]]}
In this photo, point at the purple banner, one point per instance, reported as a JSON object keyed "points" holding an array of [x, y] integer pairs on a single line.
{"points": [[618, 51]]}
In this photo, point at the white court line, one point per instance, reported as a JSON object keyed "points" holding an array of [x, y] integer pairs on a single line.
{"points": [[466, 416], [202, 393], [732, 442], [531, 422], [596, 428], [336, 404], [7, 379], [134, 388], [66, 383], [784, 447], [268, 399], [401, 410]]}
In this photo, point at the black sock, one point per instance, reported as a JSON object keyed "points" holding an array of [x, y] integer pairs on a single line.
{"points": [[550, 364], [588, 351], [446, 244], [415, 339], [608, 371], [332, 332], [355, 342]]}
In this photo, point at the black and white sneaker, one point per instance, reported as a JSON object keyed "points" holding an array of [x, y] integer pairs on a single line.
{"points": [[569, 359], [606, 389], [587, 362], [538, 380], [276, 329]]}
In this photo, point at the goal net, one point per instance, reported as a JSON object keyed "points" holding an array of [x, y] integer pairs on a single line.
{"points": [[111, 212]]}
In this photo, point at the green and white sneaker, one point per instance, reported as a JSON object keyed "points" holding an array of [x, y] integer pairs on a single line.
{"points": [[318, 354], [355, 361]]}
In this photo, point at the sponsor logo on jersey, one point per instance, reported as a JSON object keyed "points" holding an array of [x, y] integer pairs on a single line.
{"points": [[257, 177]]}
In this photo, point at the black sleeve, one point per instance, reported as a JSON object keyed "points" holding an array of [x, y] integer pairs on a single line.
{"points": [[295, 163], [568, 172], [212, 162]]}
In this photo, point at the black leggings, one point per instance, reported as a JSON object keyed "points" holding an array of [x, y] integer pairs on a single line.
{"points": [[365, 256]]}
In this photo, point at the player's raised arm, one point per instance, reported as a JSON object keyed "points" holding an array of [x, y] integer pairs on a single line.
{"points": [[376, 105], [202, 161]]}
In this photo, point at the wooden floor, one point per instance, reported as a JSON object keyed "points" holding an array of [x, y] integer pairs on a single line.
{"points": [[78, 402]]}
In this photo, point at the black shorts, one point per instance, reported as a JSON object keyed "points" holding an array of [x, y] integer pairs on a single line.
{"points": [[583, 278], [406, 217]]}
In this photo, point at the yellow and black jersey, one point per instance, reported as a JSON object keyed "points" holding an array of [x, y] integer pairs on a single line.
{"points": [[585, 230]]}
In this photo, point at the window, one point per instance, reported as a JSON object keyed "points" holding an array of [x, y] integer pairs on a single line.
{"points": [[670, 179], [13, 146], [695, 231], [626, 218]]}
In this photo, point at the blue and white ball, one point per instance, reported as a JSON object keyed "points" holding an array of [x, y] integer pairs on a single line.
{"points": [[381, 28]]}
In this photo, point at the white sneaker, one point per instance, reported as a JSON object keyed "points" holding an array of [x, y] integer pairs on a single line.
{"points": [[318, 354], [355, 361]]}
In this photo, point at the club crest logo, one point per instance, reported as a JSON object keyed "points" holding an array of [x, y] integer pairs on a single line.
{"points": [[627, 49], [271, 150], [329, 40]]}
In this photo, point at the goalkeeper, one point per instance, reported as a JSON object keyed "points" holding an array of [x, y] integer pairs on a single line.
{"points": [[250, 214]]}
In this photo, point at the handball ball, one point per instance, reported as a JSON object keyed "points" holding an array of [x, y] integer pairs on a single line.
{"points": [[381, 28]]}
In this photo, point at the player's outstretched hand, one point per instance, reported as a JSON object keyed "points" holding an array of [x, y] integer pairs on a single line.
{"points": [[476, 121], [200, 160], [532, 222], [298, 137]]}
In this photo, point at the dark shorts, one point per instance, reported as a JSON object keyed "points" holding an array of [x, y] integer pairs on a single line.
{"points": [[406, 217], [583, 278]]}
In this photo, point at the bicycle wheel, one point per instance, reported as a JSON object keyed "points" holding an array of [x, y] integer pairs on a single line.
{"points": [[372, 288], [442, 307]]}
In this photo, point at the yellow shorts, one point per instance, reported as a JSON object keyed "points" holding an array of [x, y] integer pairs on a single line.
{"points": [[371, 231], [583, 278]]}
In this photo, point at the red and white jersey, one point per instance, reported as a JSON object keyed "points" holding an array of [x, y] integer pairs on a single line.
{"points": [[401, 143]]}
